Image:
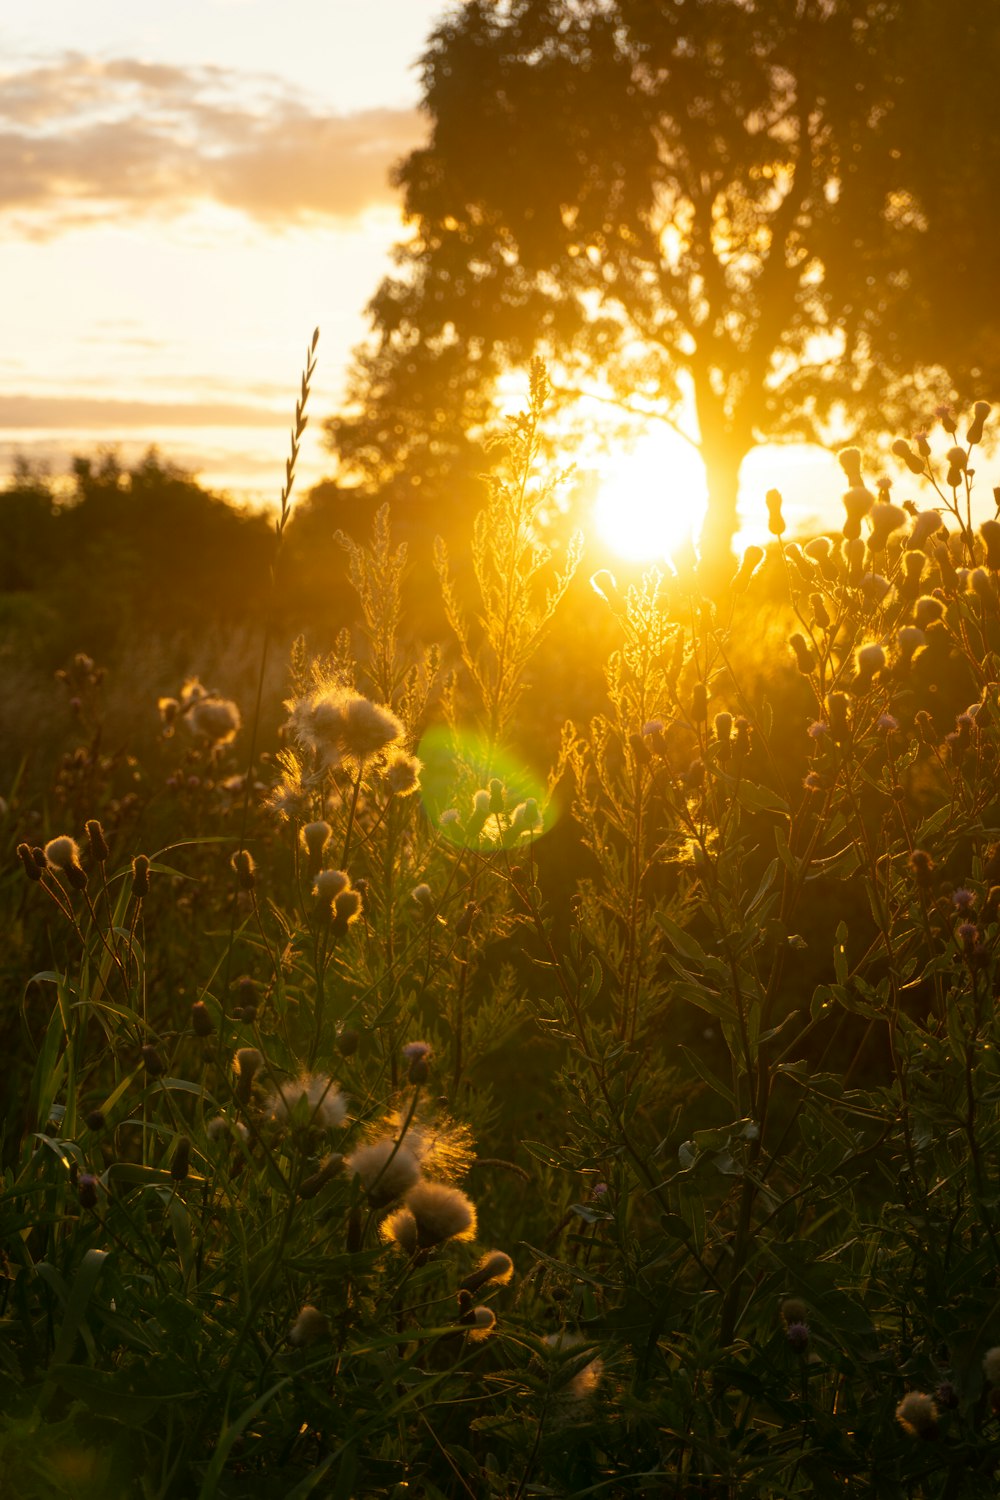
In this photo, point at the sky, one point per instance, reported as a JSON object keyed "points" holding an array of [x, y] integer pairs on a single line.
{"points": [[186, 191]]}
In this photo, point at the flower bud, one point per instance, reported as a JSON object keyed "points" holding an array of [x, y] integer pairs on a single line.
{"points": [[181, 1162], [775, 520], [98, 843], [140, 877], [243, 866]]}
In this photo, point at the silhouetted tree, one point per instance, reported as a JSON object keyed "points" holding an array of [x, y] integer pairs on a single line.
{"points": [[709, 201]]}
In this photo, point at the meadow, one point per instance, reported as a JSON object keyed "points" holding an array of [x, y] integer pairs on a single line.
{"points": [[554, 1058]]}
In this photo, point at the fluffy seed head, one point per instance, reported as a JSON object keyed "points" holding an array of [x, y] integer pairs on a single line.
{"points": [[247, 1062], [329, 884], [480, 1323], [402, 773], [400, 1229], [494, 1268], [442, 1213], [215, 719], [62, 853], [315, 837], [309, 1327], [870, 659], [386, 1170], [314, 1099], [917, 1414], [244, 869]]}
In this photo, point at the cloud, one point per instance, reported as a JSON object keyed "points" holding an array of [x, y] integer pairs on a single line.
{"points": [[26, 412], [80, 136]]}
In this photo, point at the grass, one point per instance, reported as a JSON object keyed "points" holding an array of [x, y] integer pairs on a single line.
{"points": [[378, 1127]]}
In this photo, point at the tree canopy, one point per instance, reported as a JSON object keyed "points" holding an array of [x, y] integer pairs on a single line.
{"points": [[752, 211]]}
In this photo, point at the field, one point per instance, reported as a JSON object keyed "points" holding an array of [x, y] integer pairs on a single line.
{"points": [[410, 1093]]}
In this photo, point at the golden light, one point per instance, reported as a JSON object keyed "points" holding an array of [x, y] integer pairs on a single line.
{"points": [[651, 498]]}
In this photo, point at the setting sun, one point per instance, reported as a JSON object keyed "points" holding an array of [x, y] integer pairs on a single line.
{"points": [[651, 498]]}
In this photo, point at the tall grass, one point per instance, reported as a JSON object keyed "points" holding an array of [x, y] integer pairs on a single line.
{"points": [[406, 1121]]}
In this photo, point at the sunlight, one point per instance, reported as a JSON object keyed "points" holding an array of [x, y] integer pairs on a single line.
{"points": [[651, 498]]}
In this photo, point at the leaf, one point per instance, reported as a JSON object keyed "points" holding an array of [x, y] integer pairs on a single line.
{"points": [[760, 799]]}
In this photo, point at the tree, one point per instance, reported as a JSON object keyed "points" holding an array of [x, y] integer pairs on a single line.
{"points": [[688, 201]]}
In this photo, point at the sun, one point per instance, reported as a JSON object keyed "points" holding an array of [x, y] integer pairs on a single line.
{"points": [[651, 498]]}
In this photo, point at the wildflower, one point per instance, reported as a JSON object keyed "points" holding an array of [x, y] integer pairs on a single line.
{"points": [[424, 897], [850, 461], [922, 866], [328, 885], [908, 638], [917, 1415], [925, 524], [885, 518], [480, 1323], [858, 501], [805, 656], [926, 610], [775, 520], [820, 551], [400, 1229], [874, 587], [417, 1054], [991, 1365], [201, 1021], [821, 614], [215, 719], [495, 1268], [441, 1213], [140, 877], [86, 1190], [247, 1063], [869, 659], [946, 1396], [402, 773], [314, 1099], [812, 782], [963, 900], [63, 854], [751, 561], [525, 819], [315, 837], [31, 867], [888, 723], [968, 935], [153, 1062], [368, 727], [699, 703], [980, 412], [723, 728], [923, 446], [793, 1310], [818, 729], [837, 716], [309, 1327], [346, 910], [464, 924], [980, 583], [168, 709], [347, 1042], [498, 795], [902, 450], [449, 818], [797, 1335], [946, 417], [854, 557], [243, 867], [98, 843], [386, 1169], [990, 533], [480, 812], [219, 1128]]}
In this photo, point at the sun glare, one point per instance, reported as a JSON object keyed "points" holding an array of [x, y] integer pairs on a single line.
{"points": [[651, 498]]}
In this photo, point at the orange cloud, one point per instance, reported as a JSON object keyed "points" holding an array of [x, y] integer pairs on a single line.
{"points": [[80, 135]]}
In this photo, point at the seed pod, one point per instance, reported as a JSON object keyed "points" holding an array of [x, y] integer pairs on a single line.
{"points": [[775, 520], [140, 877], [98, 843], [243, 865], [29, 863], [201, 1021], [153, 1062]]}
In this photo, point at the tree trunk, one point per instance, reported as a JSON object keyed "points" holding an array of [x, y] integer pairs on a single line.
{"points": [[722, 471]]}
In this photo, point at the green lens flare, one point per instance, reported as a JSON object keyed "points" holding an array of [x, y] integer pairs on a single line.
{"points": [[458, 764]]}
